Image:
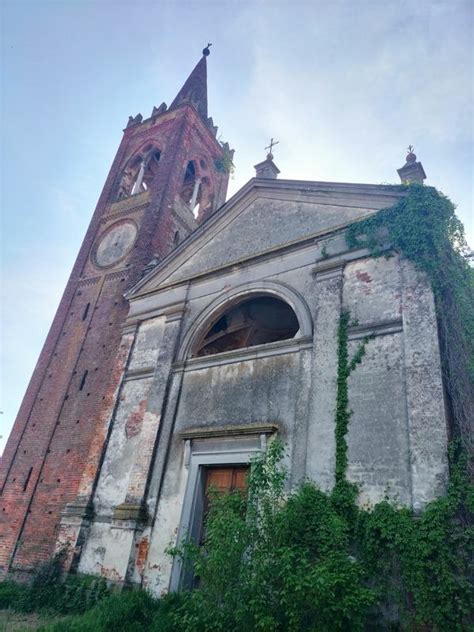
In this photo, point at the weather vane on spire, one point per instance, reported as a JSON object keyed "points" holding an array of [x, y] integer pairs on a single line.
{"points": [[270, 147], [206, 51]]}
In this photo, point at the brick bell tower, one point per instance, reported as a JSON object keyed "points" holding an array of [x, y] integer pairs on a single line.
{"points": [[169, 174]]}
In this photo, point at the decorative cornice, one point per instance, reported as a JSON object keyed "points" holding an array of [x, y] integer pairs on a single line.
{"points": [[89, 281], [80, 510], [130, 512], [124, 214], [174, 312], [111, 276], [139, 374], [281, 347], [329, 268], [380, 328], [228, 431], [127, 204]]}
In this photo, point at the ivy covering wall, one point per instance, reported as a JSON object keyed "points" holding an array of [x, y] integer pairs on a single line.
{"points": [[424, 228]]}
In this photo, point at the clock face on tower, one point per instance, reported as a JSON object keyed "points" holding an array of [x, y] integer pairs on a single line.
{"points": [[114, 244]]}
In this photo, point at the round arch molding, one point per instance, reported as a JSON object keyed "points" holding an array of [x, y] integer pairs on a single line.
{"points": [[232, 297]]}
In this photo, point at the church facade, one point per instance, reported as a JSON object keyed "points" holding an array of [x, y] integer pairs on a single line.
{"points": [[192, 332]]}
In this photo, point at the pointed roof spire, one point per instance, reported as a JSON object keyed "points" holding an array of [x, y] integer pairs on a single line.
{"points": [[195, 87]]}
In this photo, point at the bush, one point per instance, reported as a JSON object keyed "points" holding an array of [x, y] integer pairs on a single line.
{"points": [[51, 592], [132, 611], [14, 596], [313, 561], [283, 564]]}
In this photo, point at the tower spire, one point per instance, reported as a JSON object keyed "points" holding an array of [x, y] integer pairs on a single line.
{"points": [[194, 89]]}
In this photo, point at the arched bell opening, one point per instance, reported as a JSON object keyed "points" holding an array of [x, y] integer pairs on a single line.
{"points": [[197, 190], [139, 173], [252, 321], [151, 168], [189, 189], [205, 199]]}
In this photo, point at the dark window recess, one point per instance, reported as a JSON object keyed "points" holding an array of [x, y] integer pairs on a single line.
{"points": [[252, 322], [188, 183], [27, 479], [86, 311], [83, 381], [176, 238], [151, 169]]}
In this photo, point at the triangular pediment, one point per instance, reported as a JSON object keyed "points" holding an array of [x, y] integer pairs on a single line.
{"points": [[265, 216]]}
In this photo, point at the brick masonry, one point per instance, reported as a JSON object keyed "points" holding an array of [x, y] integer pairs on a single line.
{"points": [[70, 391]]}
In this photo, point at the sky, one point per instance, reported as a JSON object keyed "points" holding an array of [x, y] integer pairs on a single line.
{"points": [[344, 86]]}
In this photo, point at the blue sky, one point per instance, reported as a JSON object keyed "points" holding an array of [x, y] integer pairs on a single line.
{"points": [[344, 86]]}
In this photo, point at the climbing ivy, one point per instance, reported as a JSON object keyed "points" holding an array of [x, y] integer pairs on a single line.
{"points": [[424, 228], [345, 366]]}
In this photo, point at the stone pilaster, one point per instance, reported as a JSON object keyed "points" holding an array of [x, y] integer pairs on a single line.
{"points": [[321, 446], [427, 426], [76, 517], [131, 516], [153, 415]]}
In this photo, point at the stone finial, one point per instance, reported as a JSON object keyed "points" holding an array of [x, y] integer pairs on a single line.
{"points": [[412, 171], [267, 168], [156, 111], [134, 120]]}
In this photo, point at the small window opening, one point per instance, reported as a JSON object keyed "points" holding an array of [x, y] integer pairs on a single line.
{"points": [[83, 381], [189, 183], [27, 479], [176, 238], [252, 322], [86, 311]]}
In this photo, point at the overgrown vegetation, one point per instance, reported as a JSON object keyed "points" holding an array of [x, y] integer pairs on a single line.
{"points": [[275, 561], [308, 561], [424, 228], [51, 592], [344, 493]]}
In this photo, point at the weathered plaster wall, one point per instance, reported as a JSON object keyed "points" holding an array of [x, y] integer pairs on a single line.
{"points": [[266, 223], [121, 451], [395, 393], [261, 390], [378, 447]]}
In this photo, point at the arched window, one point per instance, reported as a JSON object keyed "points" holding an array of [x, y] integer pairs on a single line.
{"points": [[176, 238], [189, 183], [151, 168], [253, 321], [129, 177], [139, 173]]}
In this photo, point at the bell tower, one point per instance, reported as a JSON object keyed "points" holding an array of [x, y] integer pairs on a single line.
{"points": [[168, 175]]}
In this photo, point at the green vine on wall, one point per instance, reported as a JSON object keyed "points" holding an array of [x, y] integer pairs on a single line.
{"points": [[345, 366], [424, 228]]}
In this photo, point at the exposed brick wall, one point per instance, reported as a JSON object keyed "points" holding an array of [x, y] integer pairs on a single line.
{"points": [[49, 445]]}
